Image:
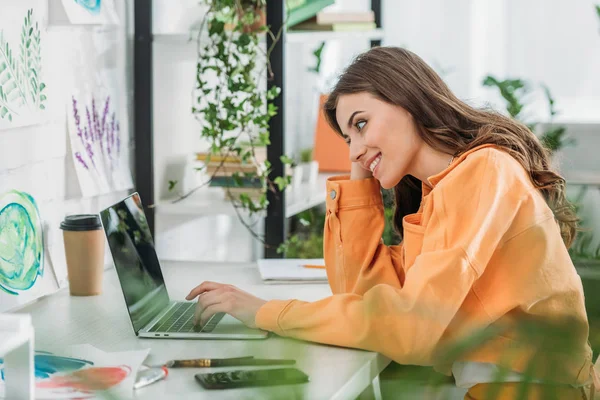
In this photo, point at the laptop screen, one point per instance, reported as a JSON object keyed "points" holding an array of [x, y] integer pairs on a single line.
{"points": [[135, 259]]}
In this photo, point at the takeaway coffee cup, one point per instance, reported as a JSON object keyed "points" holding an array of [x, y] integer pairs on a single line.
{"points": [[84, 249]]}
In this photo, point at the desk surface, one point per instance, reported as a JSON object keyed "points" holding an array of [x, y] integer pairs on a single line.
{"points": [[61, 320]]}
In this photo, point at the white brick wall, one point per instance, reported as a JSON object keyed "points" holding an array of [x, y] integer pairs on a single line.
{"points": [[36, 159]]}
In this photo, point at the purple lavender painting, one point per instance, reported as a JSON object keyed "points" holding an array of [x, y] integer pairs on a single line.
{"points": [[99, 145]]}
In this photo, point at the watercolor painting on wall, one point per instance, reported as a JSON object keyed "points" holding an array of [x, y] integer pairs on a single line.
{"points": [[83, 372], [22, 84], [91, 12], [99, 145], [23, 276]]}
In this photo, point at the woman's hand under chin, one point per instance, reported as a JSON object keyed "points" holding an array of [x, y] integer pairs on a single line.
{"points": [[216, 297], [358, 172]]}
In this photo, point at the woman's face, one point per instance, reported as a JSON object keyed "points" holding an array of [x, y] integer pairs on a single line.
{"points": [[382, 137]]}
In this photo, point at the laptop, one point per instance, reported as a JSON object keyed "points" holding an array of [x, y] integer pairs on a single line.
{"points": [[153, 314]]}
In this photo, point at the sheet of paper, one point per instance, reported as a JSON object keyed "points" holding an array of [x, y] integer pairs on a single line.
{"points": [[25, 273], [291, 270], [23, 93], [91, 12], [83, 372], [97, 117]]}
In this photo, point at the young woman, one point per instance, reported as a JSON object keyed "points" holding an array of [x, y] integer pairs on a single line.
{"points": [[483, 265]]}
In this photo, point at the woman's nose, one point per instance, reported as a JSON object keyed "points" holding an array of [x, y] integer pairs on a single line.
{"points": [[357, 150]]}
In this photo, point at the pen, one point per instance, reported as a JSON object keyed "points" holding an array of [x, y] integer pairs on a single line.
{"points": [[225, 362], [313, 266]]}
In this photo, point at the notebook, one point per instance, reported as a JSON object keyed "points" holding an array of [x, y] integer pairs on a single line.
{"points": [[291, 270]]}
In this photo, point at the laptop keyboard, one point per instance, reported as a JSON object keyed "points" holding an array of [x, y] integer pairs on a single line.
{"points": [[180, 318]]}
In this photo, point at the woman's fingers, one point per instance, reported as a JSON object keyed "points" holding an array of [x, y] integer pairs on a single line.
{"points": [[212, 310], [217, 297], [206, 300], [203, 287]]}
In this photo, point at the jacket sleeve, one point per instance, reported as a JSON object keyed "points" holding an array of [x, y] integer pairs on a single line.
{"points": [[355, 256], [406, 323]]}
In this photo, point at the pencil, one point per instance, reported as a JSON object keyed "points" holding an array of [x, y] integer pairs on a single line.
{"points": [[313, 266]]}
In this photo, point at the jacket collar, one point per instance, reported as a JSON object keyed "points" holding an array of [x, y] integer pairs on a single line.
{"points": [[435, 179]]}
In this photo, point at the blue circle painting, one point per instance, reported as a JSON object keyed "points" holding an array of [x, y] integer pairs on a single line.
{"points": [[93, 6], [21, 242]]}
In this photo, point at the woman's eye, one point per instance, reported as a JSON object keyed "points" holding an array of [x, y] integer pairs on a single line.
{"points": [[360, 125]]}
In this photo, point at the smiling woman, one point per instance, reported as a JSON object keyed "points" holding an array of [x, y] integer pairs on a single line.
{"points": [[482, 286]]}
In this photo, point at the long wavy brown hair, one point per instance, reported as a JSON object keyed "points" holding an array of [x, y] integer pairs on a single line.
{"points": [[444, 122]]}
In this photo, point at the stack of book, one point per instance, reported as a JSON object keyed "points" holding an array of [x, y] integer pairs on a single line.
{"points": [[339, 22], [233, 175]]}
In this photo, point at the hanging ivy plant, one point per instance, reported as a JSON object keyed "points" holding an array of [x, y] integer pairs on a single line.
{"points": [[230, 103]]}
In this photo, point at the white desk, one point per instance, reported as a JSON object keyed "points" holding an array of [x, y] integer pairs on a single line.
{"points": [[102, 321]]}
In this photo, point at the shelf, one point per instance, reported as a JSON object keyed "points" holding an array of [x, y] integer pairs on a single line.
{"points": [[583, 178], [210, 201], [291, 36], [321, 36], [306, 196], [176, 38]]}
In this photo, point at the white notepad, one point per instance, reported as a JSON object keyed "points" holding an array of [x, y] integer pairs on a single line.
{"points": [[291, 270]]}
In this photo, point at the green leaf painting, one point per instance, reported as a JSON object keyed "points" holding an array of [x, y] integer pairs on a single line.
{"points": [[20, 70], [21, 243]]}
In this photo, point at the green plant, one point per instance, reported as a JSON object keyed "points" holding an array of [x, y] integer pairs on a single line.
{"points": [[582, 251], [20, 84], [318, 53], [228, 101], [307, 240], [300, 246], [306, 155], [513, 91], [390, 237]]}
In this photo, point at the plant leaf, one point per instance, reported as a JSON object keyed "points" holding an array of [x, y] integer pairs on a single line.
{"points": [[9, 75]]}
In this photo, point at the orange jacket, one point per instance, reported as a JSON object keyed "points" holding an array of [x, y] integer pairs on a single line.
{"points": [[483, 251]]}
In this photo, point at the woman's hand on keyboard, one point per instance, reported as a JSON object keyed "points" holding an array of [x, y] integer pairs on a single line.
{"points": [[217, 297]]}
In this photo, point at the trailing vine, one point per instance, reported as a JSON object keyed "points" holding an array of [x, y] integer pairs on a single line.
{"points": [[228, 100]]}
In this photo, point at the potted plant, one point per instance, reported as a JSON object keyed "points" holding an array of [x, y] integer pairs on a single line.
{"points": [[232, 107], [251, 14], [294, 172], [309, 166]]}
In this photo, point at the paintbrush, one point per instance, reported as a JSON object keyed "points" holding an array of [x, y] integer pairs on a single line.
{"points": [[224, 362], [205, 362]]}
